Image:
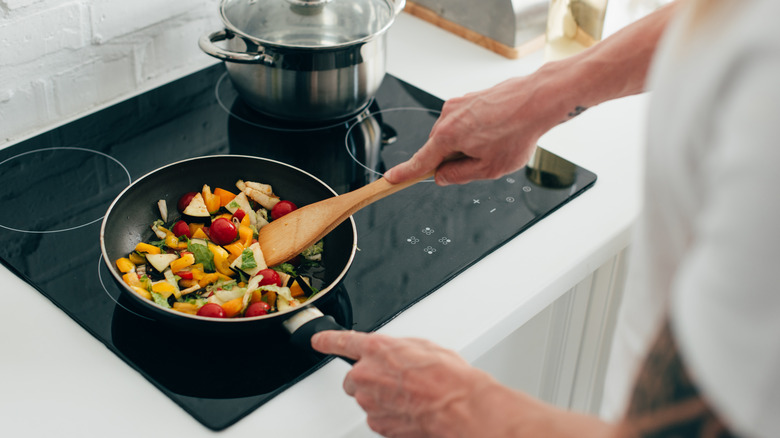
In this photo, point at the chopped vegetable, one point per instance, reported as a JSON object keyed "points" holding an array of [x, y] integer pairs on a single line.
{"points": [[207, 262], [125, 265], [161, 261], [163, 206]]}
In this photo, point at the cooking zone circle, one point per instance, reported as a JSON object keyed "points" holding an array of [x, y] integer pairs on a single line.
{"points": [[382, 139], [58, 189], [225, 92], [114, 292]]}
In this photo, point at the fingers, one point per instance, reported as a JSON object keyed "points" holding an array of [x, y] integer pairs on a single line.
{"points": [[339, 342], [415, 167], [428, 158]]}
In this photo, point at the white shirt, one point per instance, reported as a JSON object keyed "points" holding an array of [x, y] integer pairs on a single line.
{"points": [[707, 247]]}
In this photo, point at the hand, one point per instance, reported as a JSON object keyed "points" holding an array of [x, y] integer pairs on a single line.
{"points": [[414, 388], [408, 387], [496, 129]]}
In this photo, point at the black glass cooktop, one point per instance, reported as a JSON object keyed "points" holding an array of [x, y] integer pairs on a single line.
{"points": [[55, 188]]}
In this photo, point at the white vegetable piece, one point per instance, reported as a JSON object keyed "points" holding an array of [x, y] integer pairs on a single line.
{"points": [[241, 202], [163, 206], [160, 261], [263, 194], [197, 207], [259, 261]]}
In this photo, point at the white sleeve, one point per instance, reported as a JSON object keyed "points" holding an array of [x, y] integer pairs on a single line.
{"points": [[725, 305]]}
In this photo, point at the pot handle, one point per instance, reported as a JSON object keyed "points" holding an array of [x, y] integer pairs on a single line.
{"points": [[206, 43]]}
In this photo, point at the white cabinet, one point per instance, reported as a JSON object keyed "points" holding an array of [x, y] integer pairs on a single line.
{"points": [[560, 355]]}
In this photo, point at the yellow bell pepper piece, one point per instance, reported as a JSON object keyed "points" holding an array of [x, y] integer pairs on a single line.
{"points": [[210, 199], [256, 296], [207, 279], [142, 292], [199, 234], [163, 288], [233, 307], [197, 271], [146, 248], [224, 196], [125, 265], [171, 241], [136, 258], [245, 235], [235, 248], [186, 260], [296, 290], [131, 278], [221, 260], [189, 308], [195, 227], [227, 216]]}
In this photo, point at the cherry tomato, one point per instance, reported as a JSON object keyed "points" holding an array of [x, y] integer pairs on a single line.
{"points": [[239, 214], [222, 231], [282, 208], [257, 309], [181, 229], [270, 277], [185, 275], [185, 200], [211, 310]]}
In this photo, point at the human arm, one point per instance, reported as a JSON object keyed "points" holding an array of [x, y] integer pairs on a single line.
{"points": [[497, 128], [412, 387]]}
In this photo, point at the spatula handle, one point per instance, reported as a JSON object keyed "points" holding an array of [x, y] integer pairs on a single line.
{"points": [[377, 190]]}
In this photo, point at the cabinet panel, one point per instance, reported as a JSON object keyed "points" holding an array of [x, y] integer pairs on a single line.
{"points": [[560, 355]]}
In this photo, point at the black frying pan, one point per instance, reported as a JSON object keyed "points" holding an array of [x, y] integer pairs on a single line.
{"points": [[129, 218]]}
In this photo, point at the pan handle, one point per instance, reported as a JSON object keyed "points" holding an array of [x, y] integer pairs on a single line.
{"points": [[304, 324]]}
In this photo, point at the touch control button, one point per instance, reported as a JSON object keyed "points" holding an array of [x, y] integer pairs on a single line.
{"points": [[429, 240]]}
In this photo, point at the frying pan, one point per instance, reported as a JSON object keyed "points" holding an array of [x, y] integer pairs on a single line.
{"points": [[129, 218]]}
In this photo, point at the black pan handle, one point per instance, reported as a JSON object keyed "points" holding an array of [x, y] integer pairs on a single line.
{"points": [[301, 337], [305, 323]]}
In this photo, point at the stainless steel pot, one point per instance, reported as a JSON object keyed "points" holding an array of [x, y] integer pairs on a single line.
{"points": [[304, 59]]}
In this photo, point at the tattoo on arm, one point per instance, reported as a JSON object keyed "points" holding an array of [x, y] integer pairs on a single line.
{"points": [[574, 113], [577, 111], [666, 401]]}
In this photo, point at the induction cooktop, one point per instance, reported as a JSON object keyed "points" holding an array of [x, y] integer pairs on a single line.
{"points": [[410, 243]]}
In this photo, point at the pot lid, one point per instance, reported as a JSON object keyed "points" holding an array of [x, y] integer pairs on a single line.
{"points": [[309, 23]]}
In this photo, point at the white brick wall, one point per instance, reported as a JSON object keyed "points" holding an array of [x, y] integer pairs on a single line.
{"points": [[60, 59]]}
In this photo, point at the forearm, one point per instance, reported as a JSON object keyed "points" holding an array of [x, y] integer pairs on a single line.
{"points": [[494, 410], [616, 67], [497, 129]]}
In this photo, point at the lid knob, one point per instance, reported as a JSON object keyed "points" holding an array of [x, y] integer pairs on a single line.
{"points": [[308, 3], [307, 7]]}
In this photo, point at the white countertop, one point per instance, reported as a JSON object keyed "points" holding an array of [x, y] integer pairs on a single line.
{"points": [[57, 380]]}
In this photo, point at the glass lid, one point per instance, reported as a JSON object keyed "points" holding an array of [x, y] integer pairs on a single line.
{"points": [[309, 23]]}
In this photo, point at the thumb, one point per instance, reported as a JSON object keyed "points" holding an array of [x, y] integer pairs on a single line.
{"points": [[425, 160]]}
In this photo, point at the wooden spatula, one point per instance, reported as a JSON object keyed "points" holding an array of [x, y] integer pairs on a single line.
{"points": [[288, 236]]}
